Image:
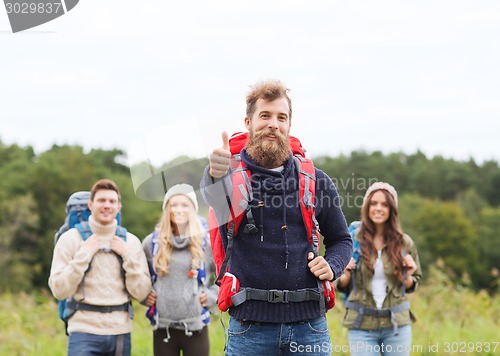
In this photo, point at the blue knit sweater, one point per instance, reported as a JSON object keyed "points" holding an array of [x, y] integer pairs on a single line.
{"points": [[275, 258]]}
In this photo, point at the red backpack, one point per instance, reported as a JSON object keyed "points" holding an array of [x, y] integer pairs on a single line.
{"points": [[239, 206]]}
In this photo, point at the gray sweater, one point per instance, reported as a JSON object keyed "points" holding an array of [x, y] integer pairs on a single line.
{"points": [[178, 296]]}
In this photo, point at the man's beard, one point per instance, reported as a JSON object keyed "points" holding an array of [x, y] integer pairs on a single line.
{"points": [[268, 154]]}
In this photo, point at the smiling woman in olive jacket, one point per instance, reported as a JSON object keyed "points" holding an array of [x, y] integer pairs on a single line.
{"points": [[378, 311]]}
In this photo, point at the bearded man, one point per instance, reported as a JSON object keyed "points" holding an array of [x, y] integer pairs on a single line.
{"points": [[275, 258]]}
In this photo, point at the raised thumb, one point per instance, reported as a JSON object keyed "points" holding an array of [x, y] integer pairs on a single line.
{"points": [[225, 140]]}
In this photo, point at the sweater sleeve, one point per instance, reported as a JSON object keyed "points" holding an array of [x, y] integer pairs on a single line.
{"points": [[137, 277], [214, 193], [69, 263], [332, 224], [212, 289]]}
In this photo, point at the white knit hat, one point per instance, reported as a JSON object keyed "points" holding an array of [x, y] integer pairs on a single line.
{"points": [[181, 189], [382, 186]]}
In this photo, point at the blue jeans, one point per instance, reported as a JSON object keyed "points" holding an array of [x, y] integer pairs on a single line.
{"points": [[380, 342], [304, 338], [84, 344]]}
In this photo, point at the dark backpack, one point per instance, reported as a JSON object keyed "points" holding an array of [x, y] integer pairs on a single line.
{"points": [[77, 215], [239, 207]]}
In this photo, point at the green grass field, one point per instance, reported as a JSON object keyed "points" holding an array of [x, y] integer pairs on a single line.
{"points": [[452, 320]]}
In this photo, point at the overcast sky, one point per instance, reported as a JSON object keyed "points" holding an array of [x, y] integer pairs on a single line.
{"points": [[162, 78]]}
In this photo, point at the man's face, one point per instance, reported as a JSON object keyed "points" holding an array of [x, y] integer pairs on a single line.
{"points": [[105, 206], [271, 115], [269, 127]]}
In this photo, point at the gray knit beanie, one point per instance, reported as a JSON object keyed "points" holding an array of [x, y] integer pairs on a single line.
{"points": [[181, 189]]}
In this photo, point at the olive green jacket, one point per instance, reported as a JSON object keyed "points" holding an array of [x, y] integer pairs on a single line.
{"points": [[395, 295]]}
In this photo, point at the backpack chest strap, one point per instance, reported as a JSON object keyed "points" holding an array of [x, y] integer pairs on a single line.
{"points": [[73, 304]]}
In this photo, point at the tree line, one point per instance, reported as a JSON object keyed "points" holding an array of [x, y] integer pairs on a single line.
{"points": [[450, 208]]}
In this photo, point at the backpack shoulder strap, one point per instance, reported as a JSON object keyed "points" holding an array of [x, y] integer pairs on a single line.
{"points": [[155, 245], [202, 270], [241, 198], [121, 232], [84, 229], [85, 232], [239, 204], [356, 246], [353, 229], [218, 250], [307, 192]]}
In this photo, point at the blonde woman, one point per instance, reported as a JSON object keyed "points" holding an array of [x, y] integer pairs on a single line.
{"points": [[179, 257]]}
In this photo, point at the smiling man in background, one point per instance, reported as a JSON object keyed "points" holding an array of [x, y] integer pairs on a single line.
{"points": [[100, 274]]}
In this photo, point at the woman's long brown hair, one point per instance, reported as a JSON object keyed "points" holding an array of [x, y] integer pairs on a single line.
{"points": [[393, 236]]}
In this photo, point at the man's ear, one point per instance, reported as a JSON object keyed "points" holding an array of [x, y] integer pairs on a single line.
{"points": [[247, 123]]}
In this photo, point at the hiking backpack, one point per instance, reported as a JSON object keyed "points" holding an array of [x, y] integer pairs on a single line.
{"points": [[240, 206], [77, 211], [77, 215], [356, 254], [201, 275]]}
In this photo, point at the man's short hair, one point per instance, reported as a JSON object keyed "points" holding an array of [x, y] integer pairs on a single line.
{"points": [[269, 91], [104, 184]]}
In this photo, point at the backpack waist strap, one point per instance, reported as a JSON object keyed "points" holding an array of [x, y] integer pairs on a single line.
{"points": [[179, 323], [101, 308], [276, 295], [385, 312]]}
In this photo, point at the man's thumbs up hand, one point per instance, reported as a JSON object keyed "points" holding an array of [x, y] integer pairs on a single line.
{"points": [[220, 159]]}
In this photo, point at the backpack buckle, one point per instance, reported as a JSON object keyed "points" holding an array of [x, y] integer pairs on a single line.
{"points": [[250, 229], [106, 309], [278, 296]]}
